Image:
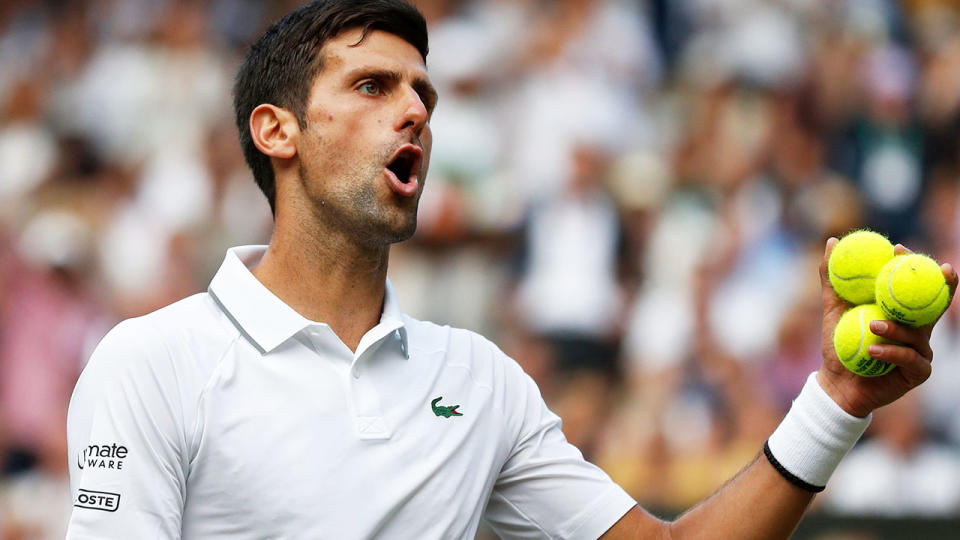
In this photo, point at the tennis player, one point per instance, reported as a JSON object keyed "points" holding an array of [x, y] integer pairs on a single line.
{"points": [[295, 399]]}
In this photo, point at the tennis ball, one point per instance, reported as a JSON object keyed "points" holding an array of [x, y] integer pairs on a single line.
{"points": [[854, 264], [911, 289], [852, 336]]}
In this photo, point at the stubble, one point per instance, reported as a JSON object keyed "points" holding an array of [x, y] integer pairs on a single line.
{"points": [[354, 206]]}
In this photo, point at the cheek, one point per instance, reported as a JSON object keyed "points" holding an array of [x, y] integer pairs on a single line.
{"points": [[426, 139], [328, 142]]}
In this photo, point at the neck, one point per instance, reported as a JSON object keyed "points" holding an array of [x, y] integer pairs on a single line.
{"points": [[327, 278]]}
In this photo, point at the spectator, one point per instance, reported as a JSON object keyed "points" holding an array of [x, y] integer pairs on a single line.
{"points": [[899, 471]]}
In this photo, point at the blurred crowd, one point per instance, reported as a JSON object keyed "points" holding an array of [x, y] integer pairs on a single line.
{"points": [[630, 197]]}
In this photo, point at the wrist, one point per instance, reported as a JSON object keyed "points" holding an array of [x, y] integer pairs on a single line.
{"points": [[832, 389], [813, 437]]}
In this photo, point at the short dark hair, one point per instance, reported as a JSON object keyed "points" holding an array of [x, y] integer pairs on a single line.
{"points": [[280, 67]]}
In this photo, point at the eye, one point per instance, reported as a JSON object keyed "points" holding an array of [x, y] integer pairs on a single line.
{"points": [[370, 88]]}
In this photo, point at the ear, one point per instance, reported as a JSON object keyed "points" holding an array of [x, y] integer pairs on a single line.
{"points": [[274, 131]]}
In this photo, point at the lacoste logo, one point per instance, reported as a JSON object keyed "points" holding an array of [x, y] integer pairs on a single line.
{"points": [[444, 410], [97, 500]]}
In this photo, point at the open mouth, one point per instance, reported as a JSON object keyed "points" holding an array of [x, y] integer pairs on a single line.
{"points": [[404, 169], [405, 164]]}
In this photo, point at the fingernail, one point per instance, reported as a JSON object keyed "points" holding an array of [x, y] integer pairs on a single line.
{"points": [[874, 350], [878, 326]]}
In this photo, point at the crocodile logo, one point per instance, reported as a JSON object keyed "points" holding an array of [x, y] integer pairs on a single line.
{"points": [[444, 410]]}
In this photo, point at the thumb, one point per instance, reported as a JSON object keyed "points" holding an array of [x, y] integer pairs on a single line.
{"points": [[832, 303]]}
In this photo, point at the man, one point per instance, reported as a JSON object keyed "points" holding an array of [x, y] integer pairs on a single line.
{"points": [[295, 400]]}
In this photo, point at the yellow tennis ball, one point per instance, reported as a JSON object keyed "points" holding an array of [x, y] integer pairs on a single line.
{"points": [[854, 264], [852, 336], [911, 289]]}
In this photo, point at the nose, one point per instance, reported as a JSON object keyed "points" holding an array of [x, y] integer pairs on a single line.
{"points": [[414, 114]]}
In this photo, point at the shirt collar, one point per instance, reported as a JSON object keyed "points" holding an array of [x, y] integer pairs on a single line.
{"points": [[393, 316], [264, 319]]}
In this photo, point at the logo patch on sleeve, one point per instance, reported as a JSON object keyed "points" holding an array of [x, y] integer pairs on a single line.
{"points": [[98, 500], [102, 456]]}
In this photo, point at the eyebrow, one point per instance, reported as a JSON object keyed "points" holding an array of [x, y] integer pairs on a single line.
{"points": [[423, 88]]}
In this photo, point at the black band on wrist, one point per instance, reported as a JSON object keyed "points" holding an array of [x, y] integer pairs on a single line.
{"points": [[787, 474]]}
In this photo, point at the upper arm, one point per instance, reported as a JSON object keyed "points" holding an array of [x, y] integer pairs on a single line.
{"points": [[545, 488], [127, 442]]}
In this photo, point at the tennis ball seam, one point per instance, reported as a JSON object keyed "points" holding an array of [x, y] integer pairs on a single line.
{"points": [[856, 351], [851, 278], [855, 262], [852, 336], [863, 335], [893, 297]]}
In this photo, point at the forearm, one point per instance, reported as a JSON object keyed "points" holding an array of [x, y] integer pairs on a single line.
{"points": [[768, 498], [757, 503]]}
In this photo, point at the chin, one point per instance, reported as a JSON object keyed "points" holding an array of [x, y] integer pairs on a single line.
{"points": [[405, 232], [403, 224], [392, 231]]}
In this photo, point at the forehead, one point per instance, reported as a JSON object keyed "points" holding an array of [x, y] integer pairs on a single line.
{"points": [[378, 49]]}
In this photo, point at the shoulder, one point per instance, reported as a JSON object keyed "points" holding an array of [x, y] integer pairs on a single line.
{"points": [[180, 340], [196, 318], [466, 349], [152, 369], [429, 337]]}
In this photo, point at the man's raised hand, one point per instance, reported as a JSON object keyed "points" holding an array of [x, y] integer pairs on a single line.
{"points": [[911, 352]]}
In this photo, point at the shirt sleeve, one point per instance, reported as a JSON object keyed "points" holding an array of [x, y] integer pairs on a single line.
{"points": [[126, 441], [546, 489]]}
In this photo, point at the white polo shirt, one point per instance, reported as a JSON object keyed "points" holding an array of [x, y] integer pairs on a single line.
{"points": [[229, 415]]}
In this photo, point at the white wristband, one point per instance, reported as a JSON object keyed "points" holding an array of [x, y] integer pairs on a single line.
{"points": [[813, 437]]}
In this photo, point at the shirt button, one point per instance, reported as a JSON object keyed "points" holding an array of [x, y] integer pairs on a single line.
{"points": [[356, 373]]}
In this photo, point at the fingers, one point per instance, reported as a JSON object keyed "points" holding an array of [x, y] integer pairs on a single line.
{"points": [[831, 301], [951, 276], [824, 273], [914, 338], [911, 353], [901, 249], [913, 366]]}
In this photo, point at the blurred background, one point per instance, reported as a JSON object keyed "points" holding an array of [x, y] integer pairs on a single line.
{"points": [[630, 197]]}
